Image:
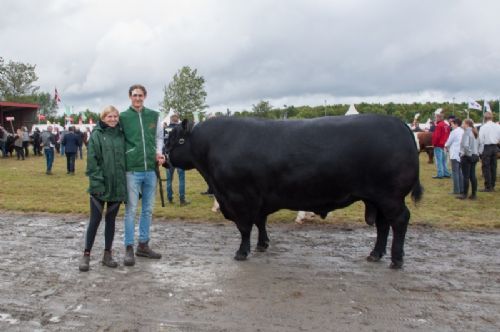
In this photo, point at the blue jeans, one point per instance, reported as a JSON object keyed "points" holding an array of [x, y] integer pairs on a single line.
{"points": [[182, 183], [442, 169], [62, 148], [145, 184], [49, 157], [458, 177]]}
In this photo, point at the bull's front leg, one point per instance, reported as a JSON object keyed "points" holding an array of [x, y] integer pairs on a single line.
{"points": [[244, 249]]}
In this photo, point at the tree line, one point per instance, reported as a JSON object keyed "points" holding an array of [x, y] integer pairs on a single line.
{"points": [[186, 95]]}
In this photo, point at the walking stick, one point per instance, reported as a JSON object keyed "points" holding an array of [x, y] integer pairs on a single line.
{"points": [[157, 171]]}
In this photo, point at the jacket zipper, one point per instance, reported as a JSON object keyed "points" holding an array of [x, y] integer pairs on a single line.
{"points": [[143, 142]]}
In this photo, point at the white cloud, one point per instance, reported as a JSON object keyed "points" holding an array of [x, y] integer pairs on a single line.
{"points": [[287, 52]]}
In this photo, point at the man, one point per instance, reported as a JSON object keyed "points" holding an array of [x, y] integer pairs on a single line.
{"points": [[439, 137], [452, 145], [70, 142], [174, 121], [48, 142], [489, 138], [143, 149]]}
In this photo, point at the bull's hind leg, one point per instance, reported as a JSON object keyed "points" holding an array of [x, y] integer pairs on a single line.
{"points": [[382, 233], [244, 250], [399, 228], [263, 242]]}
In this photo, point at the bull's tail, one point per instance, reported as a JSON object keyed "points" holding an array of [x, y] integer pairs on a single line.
{"points": [[417, 192]]}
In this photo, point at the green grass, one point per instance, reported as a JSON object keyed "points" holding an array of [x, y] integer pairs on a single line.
{"points": [[25, 187]]}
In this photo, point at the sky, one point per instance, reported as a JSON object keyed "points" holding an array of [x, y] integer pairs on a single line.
{"points": [[287, 52]]}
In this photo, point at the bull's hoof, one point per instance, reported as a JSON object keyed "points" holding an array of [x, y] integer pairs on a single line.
{"points": [[241, 256], [374, 257], [262, 247], [396, 265]]}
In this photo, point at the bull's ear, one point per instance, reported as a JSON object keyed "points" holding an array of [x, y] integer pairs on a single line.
{"points": [[184, 124]]}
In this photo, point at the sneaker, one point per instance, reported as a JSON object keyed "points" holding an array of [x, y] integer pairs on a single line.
{"points": [[438, 177], [129, 259], [48, 172], [143, 250], [84, 263]]}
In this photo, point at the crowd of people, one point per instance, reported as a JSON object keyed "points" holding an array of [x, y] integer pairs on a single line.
{"points": [[465, 146]]}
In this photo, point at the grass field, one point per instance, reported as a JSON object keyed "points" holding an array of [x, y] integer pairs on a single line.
{"points": [[25, 187]]}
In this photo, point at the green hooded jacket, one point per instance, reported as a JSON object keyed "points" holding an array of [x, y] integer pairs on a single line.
{"points": [[106, 163]]}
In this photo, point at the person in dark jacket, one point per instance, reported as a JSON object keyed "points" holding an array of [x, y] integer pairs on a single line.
{"points": [[37, 140], [107, 182], [70, 141]]}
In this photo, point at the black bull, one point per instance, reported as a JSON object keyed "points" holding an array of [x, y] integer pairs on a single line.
{"points": [[257, 167]]}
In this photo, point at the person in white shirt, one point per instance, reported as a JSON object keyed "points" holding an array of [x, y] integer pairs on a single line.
{"points": [[452, 145], [489, 138]]}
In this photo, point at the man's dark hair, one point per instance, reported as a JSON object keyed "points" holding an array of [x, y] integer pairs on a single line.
{"points": [[457, 121], [137, 86]]}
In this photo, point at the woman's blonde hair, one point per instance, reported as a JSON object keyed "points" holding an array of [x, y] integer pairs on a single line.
{"points": [[470, 124], [107, 110]]}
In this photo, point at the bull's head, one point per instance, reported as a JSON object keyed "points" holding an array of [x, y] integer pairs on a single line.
{"points": [[178, 148]]}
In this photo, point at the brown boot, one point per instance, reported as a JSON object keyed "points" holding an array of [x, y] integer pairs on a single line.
{"points": [[129, 259], [84, 263], [108, 260], [144, 250]]}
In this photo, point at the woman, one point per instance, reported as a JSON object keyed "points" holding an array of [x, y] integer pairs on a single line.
{"points": [[107, 182], [18, 144], [468, 158]]}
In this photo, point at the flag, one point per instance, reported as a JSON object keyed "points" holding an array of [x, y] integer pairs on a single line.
{"points": [[486, 107], [41, 117], [57, 98], [475, 105]]}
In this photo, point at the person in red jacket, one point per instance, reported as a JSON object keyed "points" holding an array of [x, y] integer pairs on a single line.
{"points": [[439, 137]]}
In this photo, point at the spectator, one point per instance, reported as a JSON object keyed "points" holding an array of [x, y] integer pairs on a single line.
{"points": [[26, 140], [174, 122], [18, 144], [57, 136], [3, 141], [36, 142], [439, 137], [48, 143], [489, 138], [80, 136], [469, 158], [453, 146], [143, 132], [107, 183], [69, 144]]}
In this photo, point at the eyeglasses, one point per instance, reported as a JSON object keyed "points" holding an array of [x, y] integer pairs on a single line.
{"points": [[137, 96]]}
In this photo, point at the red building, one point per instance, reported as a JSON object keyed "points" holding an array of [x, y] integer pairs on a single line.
{"points": [[24, 115]]}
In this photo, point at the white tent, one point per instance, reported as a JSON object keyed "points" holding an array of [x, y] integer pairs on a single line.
{"points": [[352, 110]]}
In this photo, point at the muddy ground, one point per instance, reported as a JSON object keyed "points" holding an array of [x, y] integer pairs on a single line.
{"points": [[313, 278]]}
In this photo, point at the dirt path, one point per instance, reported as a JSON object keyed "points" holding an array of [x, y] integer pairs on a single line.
{"points": [[313, 278]]}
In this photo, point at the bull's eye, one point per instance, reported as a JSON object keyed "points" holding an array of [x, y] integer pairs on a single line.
{"points": [[181, 141]]}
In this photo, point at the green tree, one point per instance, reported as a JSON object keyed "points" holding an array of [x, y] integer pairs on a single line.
{"points": [[16, 79], [262, 109], [185, 93]]}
